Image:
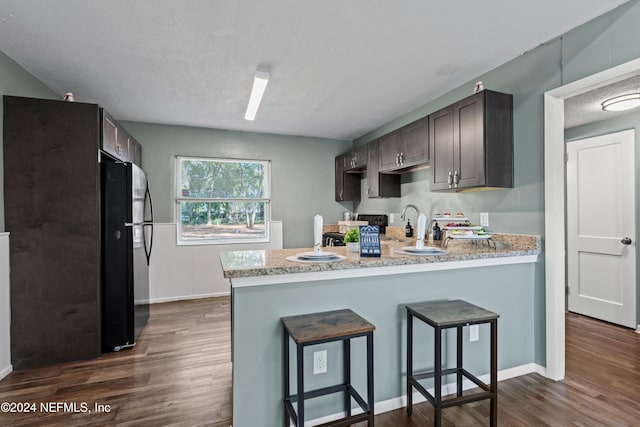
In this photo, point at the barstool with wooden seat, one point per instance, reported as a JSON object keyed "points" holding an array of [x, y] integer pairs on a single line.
{"points": [[319, 328], [445, 315]]}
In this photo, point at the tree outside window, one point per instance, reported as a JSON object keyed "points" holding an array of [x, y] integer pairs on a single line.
{"points": [[222, 200]]}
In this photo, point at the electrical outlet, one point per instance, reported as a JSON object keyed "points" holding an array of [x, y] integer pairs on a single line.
{"points": [[474, 333], [392, 218], [319, 362], [484, 219]]}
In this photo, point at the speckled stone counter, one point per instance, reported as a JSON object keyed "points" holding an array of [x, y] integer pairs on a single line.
{"points": [[253, 264]]}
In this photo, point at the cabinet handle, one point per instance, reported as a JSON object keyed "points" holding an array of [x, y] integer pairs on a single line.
{"points": [[341, 198], [398, 159], [456, 179], [450, 179], [401, 159], [367, 191]]}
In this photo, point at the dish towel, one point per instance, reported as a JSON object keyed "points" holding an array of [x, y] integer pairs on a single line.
{"points": [[317, 234], [422, 226]]}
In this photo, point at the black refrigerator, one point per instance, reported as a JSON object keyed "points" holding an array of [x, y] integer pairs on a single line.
{"points": [[127, 241]]}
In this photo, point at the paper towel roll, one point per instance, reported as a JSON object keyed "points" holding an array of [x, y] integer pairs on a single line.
{"points": [[317, 233], [422, 227]]}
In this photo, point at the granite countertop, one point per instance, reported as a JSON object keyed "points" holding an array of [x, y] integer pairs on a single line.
{"points": [[253, 263]]}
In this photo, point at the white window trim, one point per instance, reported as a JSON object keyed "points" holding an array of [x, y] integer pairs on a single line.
{"points": [[178, 199]]}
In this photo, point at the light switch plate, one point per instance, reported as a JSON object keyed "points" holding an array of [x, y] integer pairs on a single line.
{"points": [[474, 333], [484, 219]]}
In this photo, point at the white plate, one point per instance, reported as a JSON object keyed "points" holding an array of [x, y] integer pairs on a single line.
{"points": [[301, 258], [427, 250], [319, 255]]}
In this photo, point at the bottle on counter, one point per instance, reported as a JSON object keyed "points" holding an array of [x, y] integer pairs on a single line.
{"points": [[437, 232], [408, 230]]}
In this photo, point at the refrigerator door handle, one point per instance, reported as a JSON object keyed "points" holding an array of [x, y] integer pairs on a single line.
{"points": [[147, 251], [148, 223], [147, 195]]}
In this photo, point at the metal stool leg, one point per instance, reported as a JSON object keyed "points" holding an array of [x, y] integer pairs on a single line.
{"points": [[370, 398], [300, 380], [347, 374], [459, 361], [493, 414], [285, 367], [409, 362], [437, 417]]}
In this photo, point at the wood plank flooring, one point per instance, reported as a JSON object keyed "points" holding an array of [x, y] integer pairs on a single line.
{"points": [[179, 374]]}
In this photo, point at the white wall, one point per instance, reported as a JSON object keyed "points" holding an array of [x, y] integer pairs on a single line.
{"points": [[5, 308], [188, 272]]}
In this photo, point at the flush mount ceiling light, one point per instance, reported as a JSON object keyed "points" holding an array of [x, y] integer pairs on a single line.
{"points": [[622, 102], [260, 81]]}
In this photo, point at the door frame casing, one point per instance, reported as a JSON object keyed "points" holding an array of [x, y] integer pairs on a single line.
{"points": [[555, 206]]}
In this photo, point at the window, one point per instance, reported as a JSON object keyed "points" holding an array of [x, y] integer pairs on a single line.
{"points": [[222, 200]]}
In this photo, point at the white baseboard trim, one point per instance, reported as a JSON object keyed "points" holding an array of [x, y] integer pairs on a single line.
{"points": [[6, 371], [401, 401], [187, 297]]}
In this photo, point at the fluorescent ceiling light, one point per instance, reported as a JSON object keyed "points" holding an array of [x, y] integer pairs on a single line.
{"points": [[622, 102], [260, 81]]}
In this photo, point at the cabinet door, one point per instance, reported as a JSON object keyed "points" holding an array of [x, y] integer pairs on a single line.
{"points": [[137, 152], [373, 187], [356, 160], [360, 157], [442, 142], [339, 179], [468, 148], [347, 185], [415, 143], [114, 138], [379, 184], [389, 151]]}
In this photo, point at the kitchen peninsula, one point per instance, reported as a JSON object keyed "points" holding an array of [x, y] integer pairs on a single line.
{"points": [[265, 286]]}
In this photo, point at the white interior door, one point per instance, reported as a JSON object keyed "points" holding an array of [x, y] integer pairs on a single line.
{"points": [[601, 240]]}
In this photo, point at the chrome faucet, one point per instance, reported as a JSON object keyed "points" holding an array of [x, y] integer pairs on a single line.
{"points": [[404, 211]]}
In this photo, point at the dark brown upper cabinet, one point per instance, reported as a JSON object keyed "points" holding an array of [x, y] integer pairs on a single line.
{"points": [[405, 149], [471, 143], [356, 160], [118, 142], [347, 185], [378, 184], [114, 140]]}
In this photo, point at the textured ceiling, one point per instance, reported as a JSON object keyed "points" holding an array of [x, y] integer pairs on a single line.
{"points": [[586, 108], [338, 68]]}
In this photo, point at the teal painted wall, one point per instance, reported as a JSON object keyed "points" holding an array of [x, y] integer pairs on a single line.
{"points": [[630, 120], [602, 43], [302, 181], [15, 81], [257, 333]]}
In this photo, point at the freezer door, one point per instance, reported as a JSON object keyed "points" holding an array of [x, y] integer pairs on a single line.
{"points": [[138, 193]]}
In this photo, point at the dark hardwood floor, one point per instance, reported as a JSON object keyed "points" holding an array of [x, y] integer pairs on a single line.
{"points": [[180, 374]]}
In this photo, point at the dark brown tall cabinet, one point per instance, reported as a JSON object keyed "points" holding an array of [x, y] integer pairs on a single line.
{"points": [[472, 143], [378, 184], [52, 211], [347, 185]]}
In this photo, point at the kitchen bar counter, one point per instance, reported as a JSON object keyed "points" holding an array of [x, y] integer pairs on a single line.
{"points": [[252, 266], [505, 280]]}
